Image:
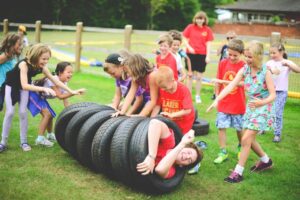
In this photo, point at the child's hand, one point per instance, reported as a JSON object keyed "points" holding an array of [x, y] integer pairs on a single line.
{"points": [[81, 91], [207, 59], [49, 92], [216, 80], [191, 49], [183, 77], [213, 105], [147, 166], [285, 63], [118, 113], [188, 137], [190, 74], [167, 114]]}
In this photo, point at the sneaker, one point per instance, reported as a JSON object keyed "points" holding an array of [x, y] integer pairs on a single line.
{"points": [[261, 132], [213, 97], [198, 99], [221, 158], [238, 151], [43, 142], [277, 139], [195, 169], [201, 144], [25, 147], [2, 148], [51, 137], [234, 178], [261, 166]]}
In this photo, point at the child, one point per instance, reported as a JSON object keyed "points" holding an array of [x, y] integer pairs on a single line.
{"points": [[114, 66], [142, 74], [163, 156], [9, 51], [38, 102], [280, 68], [223, 50], [232, 107], [18, 85], [166, 58], [198, 37], [180, 53], [22, 32], [175, 101], [260, 112]]}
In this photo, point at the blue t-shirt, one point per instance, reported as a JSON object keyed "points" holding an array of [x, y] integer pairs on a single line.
{"points": [[6, 67]]}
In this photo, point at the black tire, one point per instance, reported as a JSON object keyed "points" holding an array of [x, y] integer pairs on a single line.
{"points": [[139, 150], [86, 136], [75, 124], [119, 148], [196, 113], [101, 145], [201, 127], [63, 119]]}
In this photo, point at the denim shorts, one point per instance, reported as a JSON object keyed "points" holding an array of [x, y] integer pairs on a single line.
{"points": [[229, 121]]}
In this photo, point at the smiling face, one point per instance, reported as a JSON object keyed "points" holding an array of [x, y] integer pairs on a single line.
{"points": [[186, 157], [67, 74], [234, 56], [17, 48], [275, 54], [164, 48], [249, 58], [200, 21], [43, 60], [175, 46]]}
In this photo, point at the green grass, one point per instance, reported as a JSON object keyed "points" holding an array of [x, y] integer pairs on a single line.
{"points": [[50, 173]]}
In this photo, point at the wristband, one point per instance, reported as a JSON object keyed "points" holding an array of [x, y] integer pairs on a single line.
{"points": [[150, 156]]}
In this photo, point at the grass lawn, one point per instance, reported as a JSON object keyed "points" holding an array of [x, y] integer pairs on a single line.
{"points": [[50, 173]]}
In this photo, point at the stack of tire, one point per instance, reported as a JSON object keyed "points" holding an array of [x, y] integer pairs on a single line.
{"points": [[113, 146], [200, 126]]}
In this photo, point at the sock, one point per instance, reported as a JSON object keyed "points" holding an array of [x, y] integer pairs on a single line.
{"points": [[40, 138], [265, 158], [223, 150], [239, 169]]}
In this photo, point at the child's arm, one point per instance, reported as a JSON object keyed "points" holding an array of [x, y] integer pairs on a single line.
{"points": [[163, 167], [177, 114], [153, 96], [137, 103], [66, 103], [117, 98], [128, 99], [189, 65], [59, 83], [188, 46], [155, 111], [26, 86], [183, 75], [227, 89], [208, 48], [290, 64], [272, 93]]}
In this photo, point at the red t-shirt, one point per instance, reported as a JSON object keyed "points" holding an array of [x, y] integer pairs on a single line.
{"points": [[169, 61], [198, 37], [164, 146], [179, 100], [234, 102]]}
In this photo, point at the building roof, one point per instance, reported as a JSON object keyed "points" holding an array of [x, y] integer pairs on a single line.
{"points": [[285, 6]]}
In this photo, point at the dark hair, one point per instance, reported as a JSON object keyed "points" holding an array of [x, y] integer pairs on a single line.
{"points": [[9, 42], [175, 34], [199, 155], [280, 48], [60, 67], [236, 45]]}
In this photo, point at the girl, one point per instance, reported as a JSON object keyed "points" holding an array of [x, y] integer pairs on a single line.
{"points": [[38, 102], [142, 74], [280, 68], [198, 37], [260, 111], [18, 85], [163, 155], [9, 51], [113, 66]]}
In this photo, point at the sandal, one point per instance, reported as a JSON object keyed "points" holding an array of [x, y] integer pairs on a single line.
{"points": [[2, 148]]}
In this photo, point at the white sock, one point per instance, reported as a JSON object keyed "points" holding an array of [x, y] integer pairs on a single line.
{"points": [[239, 169], [265, 158]]}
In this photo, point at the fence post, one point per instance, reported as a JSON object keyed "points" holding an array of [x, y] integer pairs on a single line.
{"points": [[38, 27], [5, 26], [275, 37], [127, 38], [79, 28]]}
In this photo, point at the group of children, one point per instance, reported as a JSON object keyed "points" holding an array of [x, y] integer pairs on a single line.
{"points": [[149, 90]]}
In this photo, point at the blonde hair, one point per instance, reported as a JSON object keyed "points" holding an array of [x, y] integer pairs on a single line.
{"points": [[164, 73], [35, 52], [201, 14], [165, 38], [231, 34], [139, 67], [256, 48]]}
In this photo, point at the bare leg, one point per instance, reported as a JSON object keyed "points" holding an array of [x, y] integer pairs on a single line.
{"points": [[189, 83], [198, 83], [222, 138], [50, 125], [46, 115], [247, 140], [239, 135], [257, 149]]}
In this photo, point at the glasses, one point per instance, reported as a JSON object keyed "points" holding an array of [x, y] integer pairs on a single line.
{"points": [[230, 38]]}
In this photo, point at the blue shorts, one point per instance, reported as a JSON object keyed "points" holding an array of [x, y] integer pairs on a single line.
{"points": [[229, 121]]}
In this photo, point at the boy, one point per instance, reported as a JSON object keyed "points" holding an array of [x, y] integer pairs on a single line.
{"points": [[232, 107], [175, 101], [166, 58], [180, 53]]}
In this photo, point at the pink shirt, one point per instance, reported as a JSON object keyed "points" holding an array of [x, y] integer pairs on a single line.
{"points": [[281, 81]]}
